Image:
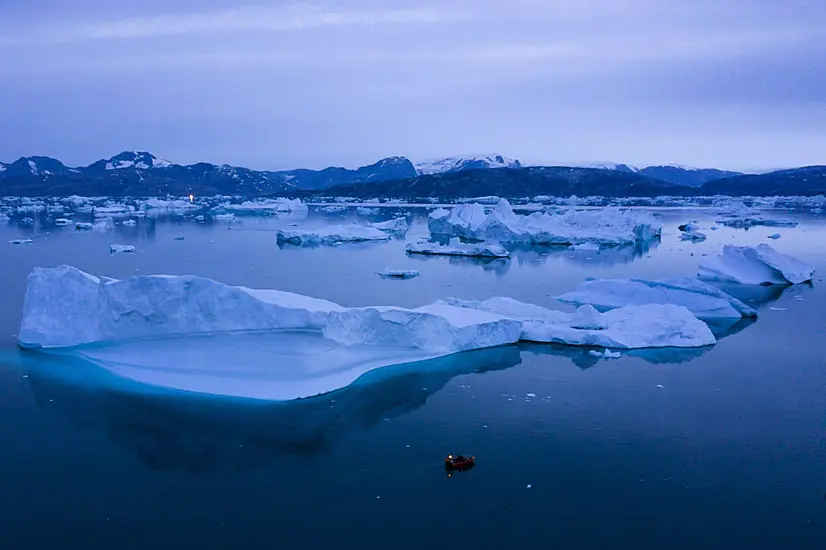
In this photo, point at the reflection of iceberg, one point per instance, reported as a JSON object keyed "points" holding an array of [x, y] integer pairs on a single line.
{"points": [[584, 360], [605, 256], [500, 266], [195, 434]]}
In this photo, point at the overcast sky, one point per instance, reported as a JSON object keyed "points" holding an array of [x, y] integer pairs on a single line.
{"points": [[270, 85]]}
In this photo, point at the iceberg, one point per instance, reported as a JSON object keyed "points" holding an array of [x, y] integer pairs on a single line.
{"points": [[629, 327], [399, 273], [457, 248], [607, 226], [116, 248], [65, 306], [396, 225], [437, 328], [740, 216], [760, 265], [267, 206], [331, 234], [701, 299]]}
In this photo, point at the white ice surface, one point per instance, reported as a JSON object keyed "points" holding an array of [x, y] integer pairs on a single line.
{"points": [[396, 225], [607, 226], [703, 300], [630, 327], [115, 248], [457, 248], [760, 265], [331, 234]]}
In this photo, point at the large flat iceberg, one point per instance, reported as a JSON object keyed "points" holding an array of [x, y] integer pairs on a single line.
{"points": [[457, 248], [608, 226], [761, 265], [630, 327], [68, 307], [703, 300], [331, 234]]}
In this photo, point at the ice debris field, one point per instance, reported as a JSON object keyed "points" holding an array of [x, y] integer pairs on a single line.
{"points": [[299, 346]]}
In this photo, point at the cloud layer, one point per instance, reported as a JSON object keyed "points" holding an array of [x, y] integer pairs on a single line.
{"points": [[276, 85]]}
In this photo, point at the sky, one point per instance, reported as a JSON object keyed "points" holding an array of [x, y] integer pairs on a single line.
{"points": [[736, 84]]}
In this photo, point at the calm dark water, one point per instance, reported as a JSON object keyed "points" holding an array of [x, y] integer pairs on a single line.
{"points": [[729, 452]]}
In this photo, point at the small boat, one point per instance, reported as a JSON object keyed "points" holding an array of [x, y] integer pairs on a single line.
{"points": [[459, 462]]}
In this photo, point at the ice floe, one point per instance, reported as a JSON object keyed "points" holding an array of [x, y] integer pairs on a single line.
{"points": [[62, 221], [457, 248], [266, 206], [21, 241], [331, 234], [740, 216], [608, 226], [121, 248], [396, 225], [629, 327], [761, 265], [703, 300], [399, 273]]}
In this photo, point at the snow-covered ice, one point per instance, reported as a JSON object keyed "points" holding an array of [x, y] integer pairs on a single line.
{"points": [[760, 265], [331, 234], [396, 225], [629, 327], [703, 300], [399, 273], [607, 226], [437, 328], [125, 248], [457, 248]]}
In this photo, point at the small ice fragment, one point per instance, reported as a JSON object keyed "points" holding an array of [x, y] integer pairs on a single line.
{"points": [[399, 273], [529, 486], [127, 248], [774, 236], [530, 394], [179, 238], [660, 386], [21, 241], [778, 308], [611, 354]]}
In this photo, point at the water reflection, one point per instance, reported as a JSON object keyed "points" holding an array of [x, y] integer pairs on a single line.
{"points": [[582, 358], [174, 431], [604, 257], [499, 266]]}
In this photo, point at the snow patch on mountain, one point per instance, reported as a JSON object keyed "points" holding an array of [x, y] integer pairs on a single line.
{"points": [[457, 164]]}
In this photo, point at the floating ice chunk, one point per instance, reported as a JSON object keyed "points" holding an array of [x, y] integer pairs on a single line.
{"points": [[21, 241], [608, 226], [179, 238], [760, 265], [399, 273], [224, 217], [333, 208], [104, 211], [126, 248], [630, 327], [437, 328], [457, 248], [62, 221], [67, 307], [129, 223], [775, 236], [703, 300], [84, 226], [366, 211], [397, 225], [267, 206], [740, 216], [332, 234]]}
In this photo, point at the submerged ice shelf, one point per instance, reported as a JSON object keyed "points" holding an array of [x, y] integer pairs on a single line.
{"points": [[113, 322]]}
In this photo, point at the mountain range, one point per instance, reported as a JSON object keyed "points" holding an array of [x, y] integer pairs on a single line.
{"points": [[139, 173]]}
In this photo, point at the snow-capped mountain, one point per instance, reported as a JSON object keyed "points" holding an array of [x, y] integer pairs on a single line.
{"points": [[138, 160], [458, 164], [677, 174]]}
